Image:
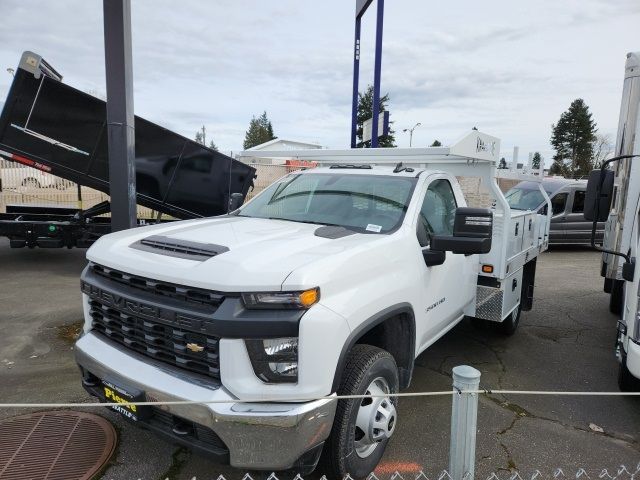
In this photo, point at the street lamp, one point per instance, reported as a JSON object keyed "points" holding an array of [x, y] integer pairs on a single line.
{"points": [[410, 130], [11, 72]]}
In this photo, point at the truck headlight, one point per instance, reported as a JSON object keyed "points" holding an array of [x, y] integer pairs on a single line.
{"points": [[275, 300], [274, 360]]}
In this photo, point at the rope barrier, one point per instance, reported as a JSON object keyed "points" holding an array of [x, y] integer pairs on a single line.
{"points": [[327, 397]]}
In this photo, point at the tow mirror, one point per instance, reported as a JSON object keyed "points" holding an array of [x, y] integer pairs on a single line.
{"points": [[597, 200], [235, 201], [472, 232], [433, 257]]}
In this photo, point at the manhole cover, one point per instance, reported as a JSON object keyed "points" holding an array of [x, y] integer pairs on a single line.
{"points": [[54, 446]]}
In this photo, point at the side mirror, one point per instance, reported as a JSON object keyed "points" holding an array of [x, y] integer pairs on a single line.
{"points": [[598, 205], [433, 257], [235, 201], [472, 232]]}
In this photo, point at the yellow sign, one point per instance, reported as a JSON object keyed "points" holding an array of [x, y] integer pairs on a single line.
{"points": [[113, 397]]}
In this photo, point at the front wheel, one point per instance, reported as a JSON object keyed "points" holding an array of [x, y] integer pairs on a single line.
{"points": [[626, 381], [362, 427], [616, 300]]}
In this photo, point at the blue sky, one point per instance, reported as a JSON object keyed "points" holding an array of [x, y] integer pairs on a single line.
{"points": [[509, 68]]}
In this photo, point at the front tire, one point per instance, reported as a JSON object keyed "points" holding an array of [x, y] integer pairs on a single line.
{"points": [[362, 427], [626, 381], [616, 300]]}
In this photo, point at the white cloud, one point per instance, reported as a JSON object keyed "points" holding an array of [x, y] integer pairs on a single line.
{"points": [[509, 68]]}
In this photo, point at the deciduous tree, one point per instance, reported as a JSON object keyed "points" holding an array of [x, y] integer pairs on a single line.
{"points": [[365, 112]]}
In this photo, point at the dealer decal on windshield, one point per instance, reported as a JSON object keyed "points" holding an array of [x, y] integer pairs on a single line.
{"points": [[373, 228]]}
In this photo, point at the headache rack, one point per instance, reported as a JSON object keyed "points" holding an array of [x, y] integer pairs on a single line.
{"points": [[518, 236]]}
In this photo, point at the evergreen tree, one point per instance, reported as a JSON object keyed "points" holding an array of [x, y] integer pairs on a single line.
{"points": [[201, 138], [260, 131], [503, 163], [436, 143], [572, 138], [537, 160], [365, 112]]}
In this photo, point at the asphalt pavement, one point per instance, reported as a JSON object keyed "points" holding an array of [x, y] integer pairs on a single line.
{"points": [[564, 343]]}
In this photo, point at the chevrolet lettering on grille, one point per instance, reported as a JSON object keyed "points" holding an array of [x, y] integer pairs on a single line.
{"points": [[141, 309]]}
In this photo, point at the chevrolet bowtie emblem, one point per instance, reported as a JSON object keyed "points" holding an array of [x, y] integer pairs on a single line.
{"points": [[194, 347]]}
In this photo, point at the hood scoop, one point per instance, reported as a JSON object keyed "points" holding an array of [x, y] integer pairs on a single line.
{"points": [[333, 232], [173, 247]]}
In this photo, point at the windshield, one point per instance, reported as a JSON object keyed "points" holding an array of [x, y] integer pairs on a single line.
{"points": [[525, 197], [364, 203]]}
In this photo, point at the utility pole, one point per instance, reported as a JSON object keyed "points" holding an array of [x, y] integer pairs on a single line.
{"points": [[120, 117], [361, 8], [204, 136], [377, 72], [410, 130]]}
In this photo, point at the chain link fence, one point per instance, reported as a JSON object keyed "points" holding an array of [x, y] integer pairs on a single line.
{"points": [[621, 472]]}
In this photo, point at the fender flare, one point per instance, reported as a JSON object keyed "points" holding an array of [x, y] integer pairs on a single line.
{"points": [[404, 372]]}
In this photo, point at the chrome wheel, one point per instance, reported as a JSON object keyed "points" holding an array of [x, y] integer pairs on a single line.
{"points": [[376, 418]]}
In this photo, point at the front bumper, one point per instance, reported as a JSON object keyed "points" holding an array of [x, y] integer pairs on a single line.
{"points": [[260, 436]]}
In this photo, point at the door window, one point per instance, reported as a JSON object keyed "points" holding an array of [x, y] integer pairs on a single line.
{"points": [[438, 211], [578, 202], [558, 203]]}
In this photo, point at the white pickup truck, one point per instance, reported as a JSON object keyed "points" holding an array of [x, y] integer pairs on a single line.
{"points": [[330, 282]]}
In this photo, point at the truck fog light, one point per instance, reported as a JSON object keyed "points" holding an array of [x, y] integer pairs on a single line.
{"points": [[284, 369], [274, 360]]}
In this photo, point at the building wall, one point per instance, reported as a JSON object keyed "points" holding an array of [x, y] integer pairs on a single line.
{"points": [[475, 193]]}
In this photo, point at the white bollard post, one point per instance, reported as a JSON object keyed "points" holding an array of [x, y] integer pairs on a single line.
{"points": [[464, 421]]}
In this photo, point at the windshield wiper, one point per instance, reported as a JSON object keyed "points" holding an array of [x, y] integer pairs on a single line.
{"points": [[311, 222]]}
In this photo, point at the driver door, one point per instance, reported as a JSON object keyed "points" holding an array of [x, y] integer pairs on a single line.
{"points": [[450, 287]]}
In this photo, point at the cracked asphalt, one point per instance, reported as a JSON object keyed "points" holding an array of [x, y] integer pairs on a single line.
{"points": [[564, 343]]}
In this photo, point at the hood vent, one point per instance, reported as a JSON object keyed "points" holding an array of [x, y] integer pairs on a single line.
{"points": [[173, 247]]}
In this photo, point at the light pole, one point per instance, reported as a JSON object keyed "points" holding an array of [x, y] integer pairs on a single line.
{"points": [[11, 72], [410, 130]]}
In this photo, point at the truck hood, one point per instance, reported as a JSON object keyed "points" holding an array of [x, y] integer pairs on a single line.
{"points": [[261, 252]]}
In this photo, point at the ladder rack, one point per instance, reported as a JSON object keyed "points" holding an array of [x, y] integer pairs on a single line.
{"points": [[475, 148]]}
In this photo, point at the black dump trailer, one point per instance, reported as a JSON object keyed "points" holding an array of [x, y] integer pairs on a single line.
{"points": [[58, 129]]}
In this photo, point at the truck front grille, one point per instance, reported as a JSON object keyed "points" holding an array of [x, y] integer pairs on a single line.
{"points": [[171, 331], [192, 295]]}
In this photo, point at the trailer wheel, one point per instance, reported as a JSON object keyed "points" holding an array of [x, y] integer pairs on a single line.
{"points": [[626, 381], [362, 427], [616, 300], [510, 324], [31, 183]]}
